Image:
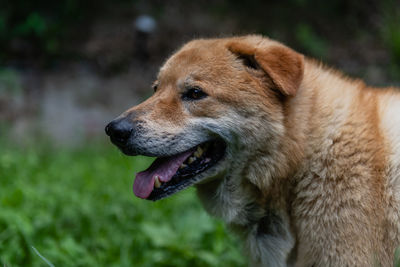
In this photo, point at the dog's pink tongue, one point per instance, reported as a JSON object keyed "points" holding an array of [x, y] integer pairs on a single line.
{"points": [[165, 168]]}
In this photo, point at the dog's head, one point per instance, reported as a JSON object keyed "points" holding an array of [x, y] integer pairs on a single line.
{"points": [[216, 104]]}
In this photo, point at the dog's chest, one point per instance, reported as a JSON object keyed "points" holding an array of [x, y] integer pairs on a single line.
{"points": [[266, 232]]}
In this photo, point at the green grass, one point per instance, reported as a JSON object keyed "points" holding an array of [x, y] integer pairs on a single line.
{"points": [[76, 208]]}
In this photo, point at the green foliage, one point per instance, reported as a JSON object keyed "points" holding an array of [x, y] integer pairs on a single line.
{"points": [[310, 41], [391, 33], [32, 29], [391, 29], [396, 262], [76, 208], [34, 23]]}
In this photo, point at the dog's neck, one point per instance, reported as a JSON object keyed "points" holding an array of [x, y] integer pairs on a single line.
{"points": [[262, 220]]}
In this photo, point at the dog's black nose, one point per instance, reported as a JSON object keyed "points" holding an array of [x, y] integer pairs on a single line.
{"points": [[119, 131]]}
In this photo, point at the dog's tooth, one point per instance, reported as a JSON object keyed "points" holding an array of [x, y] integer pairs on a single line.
{"points": [[182, 166], [157, 182], [198, 152], [191, 160]]}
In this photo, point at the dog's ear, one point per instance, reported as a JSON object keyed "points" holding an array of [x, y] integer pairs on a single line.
{"points": [[283, 65]]}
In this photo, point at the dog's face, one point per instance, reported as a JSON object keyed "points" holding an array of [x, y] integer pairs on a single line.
{"points": [[216, 104]]}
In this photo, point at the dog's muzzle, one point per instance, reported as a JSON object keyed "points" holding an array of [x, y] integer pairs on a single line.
{"points": [[120, 130]]}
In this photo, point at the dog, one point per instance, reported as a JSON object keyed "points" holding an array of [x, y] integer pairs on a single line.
{"points": [[299, 160]]}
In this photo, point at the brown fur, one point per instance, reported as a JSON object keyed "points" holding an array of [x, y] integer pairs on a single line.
{"points": [[311, 175]]}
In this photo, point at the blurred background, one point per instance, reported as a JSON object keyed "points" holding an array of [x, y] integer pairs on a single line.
{"points": [[68, 67]]}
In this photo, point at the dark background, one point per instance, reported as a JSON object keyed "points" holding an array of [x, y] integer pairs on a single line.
{"points": [[89, 59]]}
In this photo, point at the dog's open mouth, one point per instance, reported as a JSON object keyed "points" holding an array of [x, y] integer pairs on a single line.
{"points": [[167, 175]]}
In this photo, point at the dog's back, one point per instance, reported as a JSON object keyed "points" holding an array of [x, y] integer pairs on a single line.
{"points": [[348, 188]]}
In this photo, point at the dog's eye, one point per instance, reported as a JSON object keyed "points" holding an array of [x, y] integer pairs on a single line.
{"points": [[194, 93]]}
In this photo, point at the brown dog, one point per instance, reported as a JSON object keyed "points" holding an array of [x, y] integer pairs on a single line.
{"points": [[301, 161]]}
